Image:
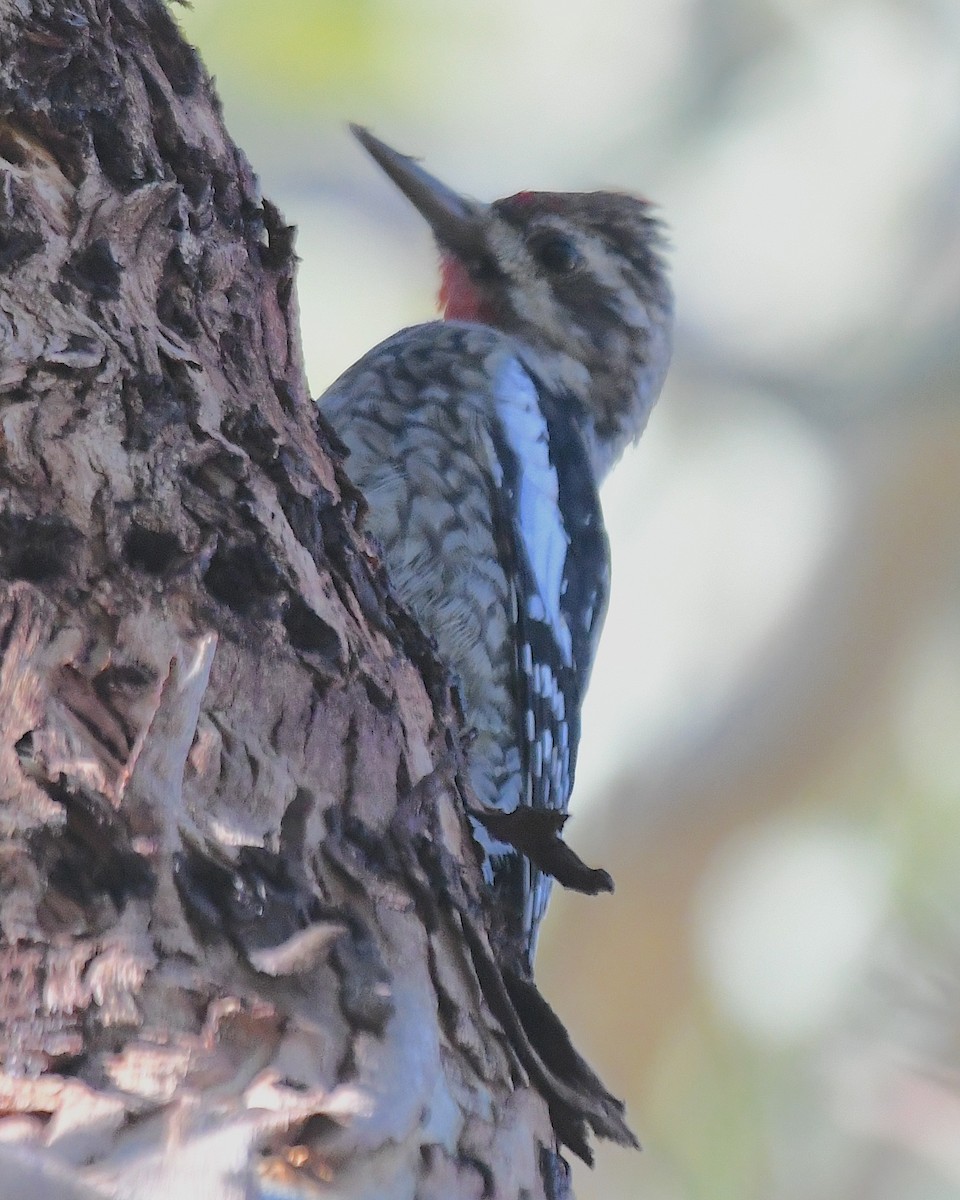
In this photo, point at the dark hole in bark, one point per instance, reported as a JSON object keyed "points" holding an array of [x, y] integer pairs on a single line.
{"points": [[308, 632], [36, 549], [241, 575], [16, 246], [150, 550], [91, 855], [96, 270], [126, 678], [114, 152]]}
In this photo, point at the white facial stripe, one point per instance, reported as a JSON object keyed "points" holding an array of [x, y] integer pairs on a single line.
{"points": [[532, 297], [607, 270], [507, 246]]}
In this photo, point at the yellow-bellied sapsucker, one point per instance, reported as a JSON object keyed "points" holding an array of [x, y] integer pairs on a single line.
{"points": [[479, 442]]}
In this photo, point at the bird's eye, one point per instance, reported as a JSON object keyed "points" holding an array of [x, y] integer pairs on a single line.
{"points": [[557, 254]]}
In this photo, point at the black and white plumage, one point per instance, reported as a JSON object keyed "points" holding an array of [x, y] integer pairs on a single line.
{"points": [[479, 443]]}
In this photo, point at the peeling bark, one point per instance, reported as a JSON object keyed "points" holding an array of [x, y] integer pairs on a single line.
{"points": [[243, 940]]}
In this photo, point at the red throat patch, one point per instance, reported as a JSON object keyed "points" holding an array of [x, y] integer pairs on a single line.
{"points": [[460, 298]]}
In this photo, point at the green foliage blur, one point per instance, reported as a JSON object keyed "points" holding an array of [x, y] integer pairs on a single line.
{"points": [[313, 59]]}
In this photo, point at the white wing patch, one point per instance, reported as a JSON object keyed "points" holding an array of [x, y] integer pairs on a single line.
{"points": [[545, 540]]}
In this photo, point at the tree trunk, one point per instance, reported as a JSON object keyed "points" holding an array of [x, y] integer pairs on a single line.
{"points": [[243, 941]]}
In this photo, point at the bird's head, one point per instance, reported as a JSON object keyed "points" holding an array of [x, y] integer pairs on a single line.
{"points": [[576, 278]]}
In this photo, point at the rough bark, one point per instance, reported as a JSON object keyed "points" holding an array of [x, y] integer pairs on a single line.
{"points": [[243, 945]]}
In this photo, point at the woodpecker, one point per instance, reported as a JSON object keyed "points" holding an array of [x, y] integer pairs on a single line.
{"points": [[479, 442]]}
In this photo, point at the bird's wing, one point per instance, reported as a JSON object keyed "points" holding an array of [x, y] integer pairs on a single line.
{"points": [[548, 513]]}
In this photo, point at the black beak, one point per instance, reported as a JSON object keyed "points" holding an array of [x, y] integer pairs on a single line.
{"points": [[455, 221]]}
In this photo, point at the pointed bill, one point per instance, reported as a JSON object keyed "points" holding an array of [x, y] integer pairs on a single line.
{"points": [[455, 221]]}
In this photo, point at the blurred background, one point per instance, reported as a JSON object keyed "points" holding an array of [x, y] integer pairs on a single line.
{"points": [[771, 756]]}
